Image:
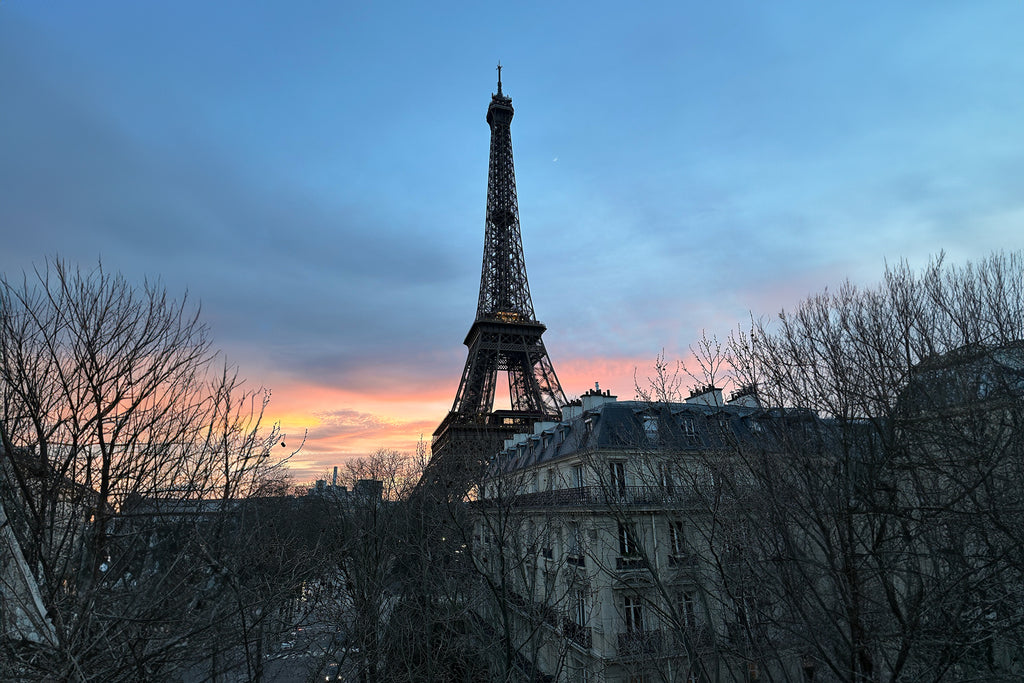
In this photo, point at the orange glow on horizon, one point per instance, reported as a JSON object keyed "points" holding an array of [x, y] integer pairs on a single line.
{"points": [[341, 424]]}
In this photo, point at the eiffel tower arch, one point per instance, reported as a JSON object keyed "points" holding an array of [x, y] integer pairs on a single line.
{"points": [[505, 337]]}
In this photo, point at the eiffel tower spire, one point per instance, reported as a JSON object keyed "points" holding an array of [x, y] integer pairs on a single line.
{"points": [[505, 336]]}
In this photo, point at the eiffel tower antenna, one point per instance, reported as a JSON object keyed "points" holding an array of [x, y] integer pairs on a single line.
{"points": [[505, 336]]}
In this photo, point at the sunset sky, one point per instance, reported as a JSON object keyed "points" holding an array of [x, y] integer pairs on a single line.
{"points": [[315, 173]]}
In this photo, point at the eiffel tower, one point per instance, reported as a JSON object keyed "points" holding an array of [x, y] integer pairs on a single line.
{"points": [[505, 337]]}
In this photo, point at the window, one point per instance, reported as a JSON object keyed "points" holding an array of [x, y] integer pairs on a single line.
{"points": [[666, 479], [575, 549], [627, 541], [689, 428], [582, 672], [547, 543], [633, 613], [551, 479], [579, 611], [688, 608], [651, 427], [676, 538], [577, 476], [617, 473]]}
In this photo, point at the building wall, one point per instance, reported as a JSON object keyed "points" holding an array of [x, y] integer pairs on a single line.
{"points": [[604, 505]]}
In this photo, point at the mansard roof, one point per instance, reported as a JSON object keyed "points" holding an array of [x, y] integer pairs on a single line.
{"points": [[637, 426]]}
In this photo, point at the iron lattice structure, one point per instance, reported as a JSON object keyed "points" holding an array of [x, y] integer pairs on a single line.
{"points": [[505, 336]]}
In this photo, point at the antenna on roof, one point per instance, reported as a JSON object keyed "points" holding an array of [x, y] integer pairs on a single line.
{"points": [[499, 76]]}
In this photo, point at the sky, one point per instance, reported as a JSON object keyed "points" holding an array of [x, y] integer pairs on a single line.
{"points": [[314, 173]]}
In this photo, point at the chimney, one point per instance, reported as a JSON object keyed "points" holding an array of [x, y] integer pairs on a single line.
{"points": [[745, 396], [596, 397], [708, 395]]}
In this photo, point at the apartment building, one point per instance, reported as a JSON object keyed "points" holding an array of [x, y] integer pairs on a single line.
{"points": [[598, 528]]}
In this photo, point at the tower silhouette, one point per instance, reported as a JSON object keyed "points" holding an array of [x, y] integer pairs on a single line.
{"points": [[505, 336]]}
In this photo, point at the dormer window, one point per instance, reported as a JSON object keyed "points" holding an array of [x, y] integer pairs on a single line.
{"points": [[689, 428], [651, 427]]}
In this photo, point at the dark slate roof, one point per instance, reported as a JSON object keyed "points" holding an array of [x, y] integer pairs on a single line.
{"points": [[626, 425]]}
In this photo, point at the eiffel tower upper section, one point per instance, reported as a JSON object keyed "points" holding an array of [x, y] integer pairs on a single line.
{"points": [[505, 336], [504, 291]]}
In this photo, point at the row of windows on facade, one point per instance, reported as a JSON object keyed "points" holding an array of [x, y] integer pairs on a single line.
{"points": [[688, 425], [547, 480], [575, 546]]}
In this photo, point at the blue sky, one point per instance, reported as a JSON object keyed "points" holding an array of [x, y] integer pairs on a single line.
{"points": [[315, 172]]}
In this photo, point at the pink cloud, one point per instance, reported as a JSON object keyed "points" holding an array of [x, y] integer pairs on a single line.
{"points": [[339, 424]]}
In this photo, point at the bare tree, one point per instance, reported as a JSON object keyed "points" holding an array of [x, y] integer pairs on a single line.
{"points": [[863, 523], [122, 441], [526, 554], [873, 527]]}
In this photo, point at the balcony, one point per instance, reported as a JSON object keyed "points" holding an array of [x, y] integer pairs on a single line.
{"points": [[682, 561], [634, 643], [581, 635], [629, 563], [697, 636]]}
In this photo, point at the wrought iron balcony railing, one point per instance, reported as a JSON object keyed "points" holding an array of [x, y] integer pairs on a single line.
{"points": [[639, 642], [628, 562], [581, 635]]}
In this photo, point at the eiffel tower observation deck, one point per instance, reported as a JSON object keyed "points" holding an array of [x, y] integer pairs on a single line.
{"points": [[505, 337]]}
